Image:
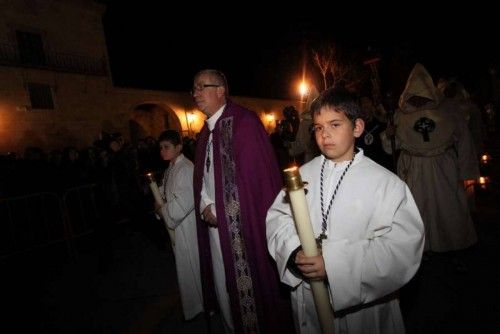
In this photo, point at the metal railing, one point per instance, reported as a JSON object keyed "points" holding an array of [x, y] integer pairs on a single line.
{"points": [[80, 210], [30, 222], [43, 219], [62, 62]]}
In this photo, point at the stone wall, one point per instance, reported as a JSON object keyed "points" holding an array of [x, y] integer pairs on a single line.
{"points": [[85, 106]]}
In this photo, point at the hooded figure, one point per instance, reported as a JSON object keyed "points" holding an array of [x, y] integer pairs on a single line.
{"points": [[436, 155], [457, 93], [304, 143]]}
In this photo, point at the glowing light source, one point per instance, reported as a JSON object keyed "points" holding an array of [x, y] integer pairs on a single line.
{"points": [[483, 182], [485, 158], [270, 117], [267, 119], [191, 117], [303, 89]]}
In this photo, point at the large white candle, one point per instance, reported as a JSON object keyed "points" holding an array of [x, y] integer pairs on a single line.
{"points": [[300, 210], [156, 194]]}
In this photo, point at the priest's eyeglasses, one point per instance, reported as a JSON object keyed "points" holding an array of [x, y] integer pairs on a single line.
{"points": [[201, 87]]}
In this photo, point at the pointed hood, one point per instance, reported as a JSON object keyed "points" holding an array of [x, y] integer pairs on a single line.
{"points": [[419, 83]]}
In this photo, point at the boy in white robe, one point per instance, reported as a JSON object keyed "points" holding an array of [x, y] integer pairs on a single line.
{"points": [[373, 232], [178, 211]]}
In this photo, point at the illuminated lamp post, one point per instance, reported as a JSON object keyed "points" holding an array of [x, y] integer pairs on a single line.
{"points": [[303, 91]]}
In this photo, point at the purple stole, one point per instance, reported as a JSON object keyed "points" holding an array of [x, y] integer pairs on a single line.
{"points": [[245, 164]]}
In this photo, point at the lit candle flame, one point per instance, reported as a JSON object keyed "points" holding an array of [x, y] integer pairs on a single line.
{"points": [[485, 158]]}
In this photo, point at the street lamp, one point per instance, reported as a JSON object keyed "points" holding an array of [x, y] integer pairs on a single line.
{"points": [[303, 91]]}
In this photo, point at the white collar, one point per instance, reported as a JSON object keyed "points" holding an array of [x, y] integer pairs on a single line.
{"points": [[214, 118], [180, 157], [343, 164]]}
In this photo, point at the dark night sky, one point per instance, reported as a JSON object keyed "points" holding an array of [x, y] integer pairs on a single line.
{"points": [[153, 46]]}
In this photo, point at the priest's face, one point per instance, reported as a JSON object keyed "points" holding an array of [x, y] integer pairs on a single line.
{"points": [[209, 94], [335, 133]]}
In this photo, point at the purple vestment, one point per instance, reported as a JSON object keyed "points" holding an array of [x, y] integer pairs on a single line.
{"points": [[247, 180]]}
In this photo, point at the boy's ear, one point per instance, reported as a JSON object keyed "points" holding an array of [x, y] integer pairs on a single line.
{"points": [[359, 127]]}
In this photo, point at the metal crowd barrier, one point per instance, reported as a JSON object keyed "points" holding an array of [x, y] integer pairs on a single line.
{"points": [[43, 219]]}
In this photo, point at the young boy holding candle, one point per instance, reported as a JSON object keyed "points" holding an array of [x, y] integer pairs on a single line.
{"points": [[365, 220], [178, 211]]}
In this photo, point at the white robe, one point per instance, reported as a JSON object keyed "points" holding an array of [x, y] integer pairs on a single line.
{"points": [[374, 245], [179, 213]]}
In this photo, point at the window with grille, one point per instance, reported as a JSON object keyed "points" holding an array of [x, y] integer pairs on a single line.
{"points": [[40, 96]]}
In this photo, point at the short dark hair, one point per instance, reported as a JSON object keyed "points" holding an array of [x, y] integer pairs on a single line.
{"points": [[339, 99], [172, 136], [218, 75]]}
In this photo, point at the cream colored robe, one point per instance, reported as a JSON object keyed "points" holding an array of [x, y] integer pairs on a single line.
{"points": [[435, 169], [374, 245], [179, 210]]}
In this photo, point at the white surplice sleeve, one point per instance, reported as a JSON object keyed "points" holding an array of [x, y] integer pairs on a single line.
{"points": [[282, 238], [385, 255], [180, 198]]}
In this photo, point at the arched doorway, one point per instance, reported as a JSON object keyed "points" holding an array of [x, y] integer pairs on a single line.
{"points": [[150, 120]]}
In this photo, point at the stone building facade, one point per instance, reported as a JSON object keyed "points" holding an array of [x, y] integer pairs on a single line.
{"points": [[56, 89]]}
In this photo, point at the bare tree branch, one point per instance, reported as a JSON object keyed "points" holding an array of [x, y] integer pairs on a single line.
{"points": [[323, 60]]}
